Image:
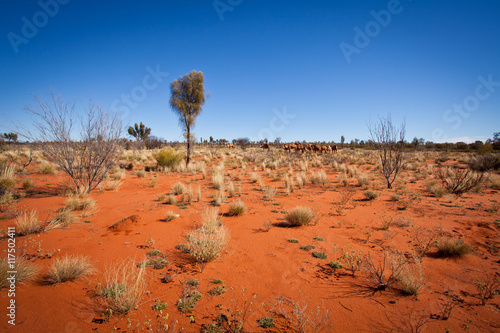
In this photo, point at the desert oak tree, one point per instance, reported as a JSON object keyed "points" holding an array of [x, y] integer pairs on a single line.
{"points": [[186, 100]]}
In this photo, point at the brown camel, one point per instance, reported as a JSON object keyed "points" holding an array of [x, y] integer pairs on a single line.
{"points": [[230, 145], [265, 146], [316, 148]]}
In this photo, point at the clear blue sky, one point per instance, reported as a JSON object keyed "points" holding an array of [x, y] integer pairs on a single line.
{"points": [[305, 59]]}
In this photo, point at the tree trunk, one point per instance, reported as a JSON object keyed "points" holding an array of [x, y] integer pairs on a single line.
{"points": [[188, 146]]}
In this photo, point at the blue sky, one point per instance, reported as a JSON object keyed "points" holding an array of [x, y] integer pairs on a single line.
{"points": [[299, 70]]}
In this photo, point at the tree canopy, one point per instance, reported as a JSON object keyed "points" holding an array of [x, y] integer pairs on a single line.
{"points": [[186, 100]]}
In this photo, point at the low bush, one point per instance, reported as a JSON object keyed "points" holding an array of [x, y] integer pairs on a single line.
{"points": [[237, 208], [371, 195], [335, 265], [168, 158], [319, 255], [452, 248], [300, 216], [266, 322], [188, 301]]}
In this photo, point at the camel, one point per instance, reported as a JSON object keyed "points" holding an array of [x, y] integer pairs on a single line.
{"points": [[265, 146], [316, 148], [286, 147], [334, 148], [230, 145]]}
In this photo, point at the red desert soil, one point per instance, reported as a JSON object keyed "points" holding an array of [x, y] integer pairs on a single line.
{"points": [[260, 267]]}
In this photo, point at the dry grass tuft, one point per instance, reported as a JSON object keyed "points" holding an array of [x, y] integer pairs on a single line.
{"points": [[63, 219], [28, 223], [124, 286], [24, 269], [68, 268], [208, 241], [300, 216], [179, 188], [452, 248], [237, 208], [171, 216]]}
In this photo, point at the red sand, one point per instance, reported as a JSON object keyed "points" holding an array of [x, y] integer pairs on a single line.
{"points": [[259, 265]]}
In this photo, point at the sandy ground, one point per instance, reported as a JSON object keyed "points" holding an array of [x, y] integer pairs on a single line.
{"points": [[261, 270]]}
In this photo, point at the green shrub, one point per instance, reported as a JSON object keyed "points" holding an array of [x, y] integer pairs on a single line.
{"points": [[335, 265], [193, 283], [266, 322], [293, 240], [188, 301], [155, 263], [319, 255], [160, 306], [153, 253], [168, 158], [308, 247], [371, 195], [219, 290]]}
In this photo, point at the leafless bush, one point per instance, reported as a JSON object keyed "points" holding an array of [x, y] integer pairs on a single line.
{"points": [[459, 180], [409, 322], [86, 159], [389, 142], [382, 274], [299, 317], [488, 286]]}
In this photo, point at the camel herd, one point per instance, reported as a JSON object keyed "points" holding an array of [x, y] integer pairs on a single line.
{"points": [[310, 147], [300, 147]]}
